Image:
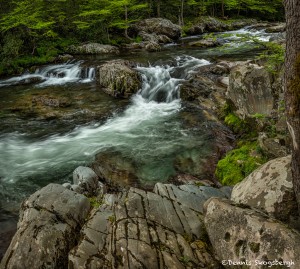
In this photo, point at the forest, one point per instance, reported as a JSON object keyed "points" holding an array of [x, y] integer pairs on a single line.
{"points": [[35, 31]]}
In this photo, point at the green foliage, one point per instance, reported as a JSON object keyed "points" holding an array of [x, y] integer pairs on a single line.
{"points": [[239, 163]]}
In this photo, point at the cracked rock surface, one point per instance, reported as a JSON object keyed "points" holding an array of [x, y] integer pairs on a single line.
{"points": [[130, 229], [139, 229]]}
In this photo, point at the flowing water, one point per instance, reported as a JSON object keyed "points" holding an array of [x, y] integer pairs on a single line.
{"points": [[36, 150]]}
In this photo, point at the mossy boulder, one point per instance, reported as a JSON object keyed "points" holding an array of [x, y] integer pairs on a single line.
{"points": [[118, 78]]}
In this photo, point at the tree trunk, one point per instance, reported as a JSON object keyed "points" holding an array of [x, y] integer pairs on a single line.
{"points": [[292, 86], [222, 9], [181, 13], [126, 22], [158, 8]]}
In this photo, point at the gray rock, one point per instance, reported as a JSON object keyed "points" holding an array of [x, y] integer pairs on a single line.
{"points": [[48, 228], [117, 78], [147, 230], [250, 89], [93, 48], [158, 26], [87, 179], [241, 234], [269, 188]]}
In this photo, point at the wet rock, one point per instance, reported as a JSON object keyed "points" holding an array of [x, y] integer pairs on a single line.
{"points": [[93, 48], [241, 234], [269, 188], [117, 78], [250, 89], [115, 169], [48, 228], [158, 26], [205, 43], [28, 80], [148, 229]]}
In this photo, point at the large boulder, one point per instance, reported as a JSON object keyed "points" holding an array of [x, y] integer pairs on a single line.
{"points": [[158, 26], [49, 225], [117, 78], [245, 238], [93, 48], [250, 89], [269, 188]]}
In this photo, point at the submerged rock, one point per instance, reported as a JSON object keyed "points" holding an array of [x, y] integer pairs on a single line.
{"points": [[48, 228], [117, 78], [243, 235], [115, 169], [93, 48], [269, 188]]}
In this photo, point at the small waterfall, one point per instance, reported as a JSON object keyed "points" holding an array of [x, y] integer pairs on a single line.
{"points": [[161, 83], [57, 74]]}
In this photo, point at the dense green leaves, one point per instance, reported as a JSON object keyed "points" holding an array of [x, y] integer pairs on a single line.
{"points": [[30, 24]]}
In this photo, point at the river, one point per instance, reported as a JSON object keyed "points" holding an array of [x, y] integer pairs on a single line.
{"points": [[36, 150]]}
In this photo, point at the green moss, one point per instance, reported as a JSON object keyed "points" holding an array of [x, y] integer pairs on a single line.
{"points": [[235, 123], [95, 202], [239, 163]]}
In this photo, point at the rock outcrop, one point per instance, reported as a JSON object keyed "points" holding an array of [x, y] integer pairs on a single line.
{"points": [[249, 238], [93, 48], [269, 188], [117, 78], [250, 89], [49, 225], [129, 229]]}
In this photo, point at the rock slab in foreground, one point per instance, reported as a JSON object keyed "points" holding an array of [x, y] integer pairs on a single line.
{"points": [[139, 229], [269, 188], [49, 225], [241, 234]]}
